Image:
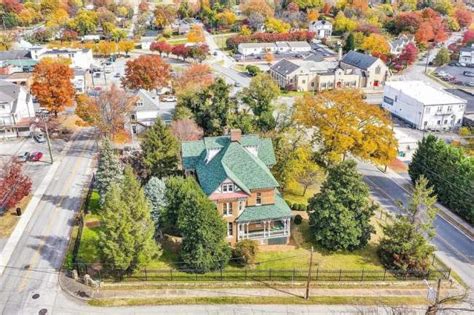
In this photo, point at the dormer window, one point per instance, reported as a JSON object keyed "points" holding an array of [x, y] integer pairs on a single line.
{"points": [[228, 187], [258, 199]]}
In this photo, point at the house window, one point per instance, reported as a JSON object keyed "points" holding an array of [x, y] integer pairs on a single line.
{"points": [[377, 70], [258, 200], [2, 106], [439, 122], [312, 84], [440, 109], [227, 208], [303, 81], [241, 205], [139, 104], [450, 108], [230, 229], [228, 187], [427, 110]]}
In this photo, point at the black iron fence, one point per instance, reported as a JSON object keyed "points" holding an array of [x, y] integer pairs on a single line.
{"points": [[245, 274]]}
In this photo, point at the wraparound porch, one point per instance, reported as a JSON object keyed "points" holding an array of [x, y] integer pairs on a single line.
{"points": [[264, 229]]}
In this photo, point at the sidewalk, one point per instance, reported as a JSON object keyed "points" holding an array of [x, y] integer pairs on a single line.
{"points": [[12, 241]]}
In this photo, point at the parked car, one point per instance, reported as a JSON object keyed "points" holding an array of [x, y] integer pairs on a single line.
{"points": [[454, 64], [35, 156], [97, 74], [117, 75], [23, 157], [237, 84], [169, 98], [471, 84], [39, 137], [468, 73]]}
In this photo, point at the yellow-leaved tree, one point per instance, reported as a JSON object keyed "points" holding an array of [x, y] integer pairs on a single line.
{"points": [[344, 124], [196, 34]]}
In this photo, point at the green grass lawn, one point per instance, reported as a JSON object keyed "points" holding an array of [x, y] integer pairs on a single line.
{"points": [[220, 39], [175, 40], [294, 193]]}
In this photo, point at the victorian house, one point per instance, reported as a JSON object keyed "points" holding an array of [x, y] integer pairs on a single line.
{"points": [[234, 172]]}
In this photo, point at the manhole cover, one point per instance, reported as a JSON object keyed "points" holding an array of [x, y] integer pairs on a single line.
{"points": [[35, 296], [43, 311], [27, 267]]}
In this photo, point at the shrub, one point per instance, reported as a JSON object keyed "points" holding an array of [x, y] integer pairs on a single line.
{"points": [[298, 219], [245, 252], [253, 70]]}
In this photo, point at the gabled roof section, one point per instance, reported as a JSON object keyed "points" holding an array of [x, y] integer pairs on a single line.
{"points": [[233, 161], [279, 210], [284, 67], [359, 60]]}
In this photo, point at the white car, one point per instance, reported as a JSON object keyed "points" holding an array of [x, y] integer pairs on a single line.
{"points": [[169, 98]]}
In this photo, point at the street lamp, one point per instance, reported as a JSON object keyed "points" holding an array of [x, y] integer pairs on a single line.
{"points": [[44, 119]]}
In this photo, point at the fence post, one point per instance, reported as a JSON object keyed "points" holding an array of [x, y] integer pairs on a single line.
{"points": [[340, 274], [317, 273], [146, 275], [293, 275], [362, 276], [196, 275], [222, 277], [245, 274], [171, 274], [384, 273]]}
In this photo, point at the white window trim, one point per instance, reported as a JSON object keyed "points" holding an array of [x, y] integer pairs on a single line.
{"points": [[232, 228], [226, 207]]}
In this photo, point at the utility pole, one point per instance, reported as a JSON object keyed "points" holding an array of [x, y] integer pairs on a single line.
{"points": [[49, 141], [309, 274], [433, 308]]}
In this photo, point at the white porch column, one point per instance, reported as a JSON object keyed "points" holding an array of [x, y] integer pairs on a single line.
{"points": [[247, 234], [269, 228], [288, 226], [264, 229]]}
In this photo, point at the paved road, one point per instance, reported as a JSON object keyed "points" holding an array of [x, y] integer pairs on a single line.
{"points": [[453, 247], [39, 253]]}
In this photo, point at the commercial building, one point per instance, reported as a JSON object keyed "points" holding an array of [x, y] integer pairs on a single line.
{"points": [[373, 71], [423, 106], [249, 49]]}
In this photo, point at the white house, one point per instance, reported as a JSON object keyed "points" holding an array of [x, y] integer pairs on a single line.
{"points": [[323, 28], [466, 55], [397, 45], [248, 49], [80, 58], [16, 110], [423, 106], [148, 108]]}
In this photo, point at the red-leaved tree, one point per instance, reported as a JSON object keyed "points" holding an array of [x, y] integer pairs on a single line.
{"points": [[468, 37], [162, 47], [186, 130], [14, 185], [463, 16]]}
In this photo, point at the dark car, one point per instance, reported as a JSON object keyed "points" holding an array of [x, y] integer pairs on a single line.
{"points": [[23, 157], [468, 73], [35, 156]]}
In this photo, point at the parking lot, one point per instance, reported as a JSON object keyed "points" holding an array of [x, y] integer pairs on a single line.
{"points": [[455, 75], [35, 170]]}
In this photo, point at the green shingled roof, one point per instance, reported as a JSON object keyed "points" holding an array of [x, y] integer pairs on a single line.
{"points": [[266, 212], [233, 161]]}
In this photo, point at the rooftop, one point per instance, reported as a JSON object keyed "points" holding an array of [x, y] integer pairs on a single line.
{"points": [[233, 160], [275, 211], [284, 67], [424, 93], [359, 60]]}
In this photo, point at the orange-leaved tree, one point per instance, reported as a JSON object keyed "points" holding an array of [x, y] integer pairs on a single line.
{"points": [[146, 72], [344, 124], [52, 85], [196, 34], [196, 77], [108, 112]]}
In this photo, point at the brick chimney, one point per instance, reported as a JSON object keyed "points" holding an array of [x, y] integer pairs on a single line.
{"points": [[235, 135]]}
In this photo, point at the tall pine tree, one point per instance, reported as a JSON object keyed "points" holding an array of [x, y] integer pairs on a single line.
{"points": [[340, 213], [404, 246], [203, 230], [155, 192], [160, 150], [109, 170], [126, 238]]}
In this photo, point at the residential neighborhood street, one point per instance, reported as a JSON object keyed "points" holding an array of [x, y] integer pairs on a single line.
{"points": [[454, 247], [32, 268]]}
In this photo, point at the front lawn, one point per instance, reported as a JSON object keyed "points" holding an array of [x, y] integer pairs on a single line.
{"points": [[294, 193], [221, 39]]}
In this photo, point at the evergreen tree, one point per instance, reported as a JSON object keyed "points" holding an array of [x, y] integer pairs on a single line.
{"points": [[404, 246], [109, 170], [340, 213], [449, 171], [155, 192], [176, 192], [350, 43], [204, 247], [160, 150], [126, 237], [210, 107]]}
